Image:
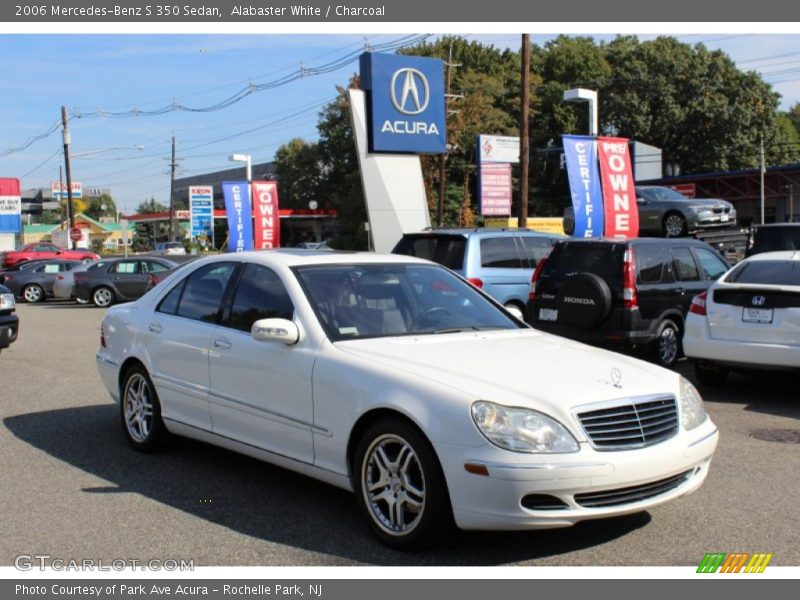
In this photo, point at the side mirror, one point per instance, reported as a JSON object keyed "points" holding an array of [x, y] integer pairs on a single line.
{"points": [[275, 330]]}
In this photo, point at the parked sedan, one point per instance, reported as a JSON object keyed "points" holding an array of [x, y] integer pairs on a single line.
{"points": [[667, 213], [393, 377], [44, 250], [750, 318], [9, 322], [20, 266], [64, 285], [118, 280], [36, 284]]}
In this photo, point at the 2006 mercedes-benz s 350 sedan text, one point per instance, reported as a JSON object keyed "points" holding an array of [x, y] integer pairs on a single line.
{"points": [[394, 378]]}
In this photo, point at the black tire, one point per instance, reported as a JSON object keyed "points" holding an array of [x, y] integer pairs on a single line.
{"points": [[33, 293], [144, 429], [584, 300], [674, 225], [413, 475], [666, 347], [103, 297], [710, 374]]}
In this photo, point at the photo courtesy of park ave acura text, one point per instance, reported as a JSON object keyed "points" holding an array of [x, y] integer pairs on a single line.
{"points": [[397, 299]]}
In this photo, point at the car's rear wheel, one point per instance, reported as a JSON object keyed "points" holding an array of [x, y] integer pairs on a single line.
{"points": [[515, 310], [666, 347], [674, 225], [103, 297], [709, 373], [33, 293], [140, 411], [399, 485]]}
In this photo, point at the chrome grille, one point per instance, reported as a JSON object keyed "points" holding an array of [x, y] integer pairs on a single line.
{"points": [[633, 424], [632, 494]]}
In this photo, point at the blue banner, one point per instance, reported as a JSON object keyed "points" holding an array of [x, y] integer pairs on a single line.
{"points": [[580, 153], [405, 103], [239, 213]]}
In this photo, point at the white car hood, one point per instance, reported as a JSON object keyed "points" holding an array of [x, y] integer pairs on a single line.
{"points": [[519, 368]]}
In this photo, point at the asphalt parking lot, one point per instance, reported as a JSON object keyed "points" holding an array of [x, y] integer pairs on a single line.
{"points": [[71, 487]]}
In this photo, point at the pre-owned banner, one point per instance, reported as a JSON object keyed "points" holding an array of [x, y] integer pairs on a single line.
{"points": [[619, 193], [580, 154], [237, 209], [10, 206], [265, 211]]}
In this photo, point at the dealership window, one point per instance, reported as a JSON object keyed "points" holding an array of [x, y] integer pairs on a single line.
{"points": [[260, 294]]}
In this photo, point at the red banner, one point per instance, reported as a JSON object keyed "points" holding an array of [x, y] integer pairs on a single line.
{"points": [[619, 193], [265, 213]]}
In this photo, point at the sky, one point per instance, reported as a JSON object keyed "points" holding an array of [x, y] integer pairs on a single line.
{"points": [[106, 78]]}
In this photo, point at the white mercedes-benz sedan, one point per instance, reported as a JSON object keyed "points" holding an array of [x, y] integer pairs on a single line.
{"points": [[749, 318], [395, 378]]}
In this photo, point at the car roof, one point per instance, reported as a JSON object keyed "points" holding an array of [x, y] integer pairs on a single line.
{"points": [[296, 257], [468, 231], [638, 240], [777, 255]]}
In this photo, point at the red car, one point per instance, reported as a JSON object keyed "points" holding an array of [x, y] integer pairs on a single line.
{"points": [[45, 250]]}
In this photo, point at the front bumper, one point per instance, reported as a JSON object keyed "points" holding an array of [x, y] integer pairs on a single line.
{"points": [[495, 502], [9, 330]]}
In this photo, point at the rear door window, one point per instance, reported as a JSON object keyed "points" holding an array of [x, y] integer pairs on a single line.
{"points": [[447, 250], [652, 262], [501, 253], [126, 267], [684, 266]]}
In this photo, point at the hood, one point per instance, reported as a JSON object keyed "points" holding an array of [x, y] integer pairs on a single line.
{"points": [[709, 202], [519, 368]]}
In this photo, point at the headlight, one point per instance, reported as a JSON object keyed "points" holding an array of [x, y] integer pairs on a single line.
{"points": [[698, 209], [521, 429], [692, 411], [7, 302]]}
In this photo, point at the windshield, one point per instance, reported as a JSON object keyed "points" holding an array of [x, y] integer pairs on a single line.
{"points": [[374, 300], [660, 193]]}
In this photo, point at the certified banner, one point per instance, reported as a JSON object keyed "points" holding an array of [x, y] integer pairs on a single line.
{"points": [[580, 154], [265, 211], [10, 205], [237, 209], [619, 194]]}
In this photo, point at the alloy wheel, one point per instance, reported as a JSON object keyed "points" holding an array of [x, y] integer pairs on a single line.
{"points": [[393, 485], [103, 297], [668, 346], [138, 405], [33, 293], [673, 225]]}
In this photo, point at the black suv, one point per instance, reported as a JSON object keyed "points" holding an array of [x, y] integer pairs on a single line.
{"points": [[774, 237], [9, 322], [631, 293]]}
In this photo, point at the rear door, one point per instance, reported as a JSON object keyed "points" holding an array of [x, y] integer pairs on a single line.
{"points": [[127, 278], [504, 269], [655, 287], [759, 301], [689, 282]]}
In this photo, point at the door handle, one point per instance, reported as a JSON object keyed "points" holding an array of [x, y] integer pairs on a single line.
{"points": [[155, 328], [223, 344]]}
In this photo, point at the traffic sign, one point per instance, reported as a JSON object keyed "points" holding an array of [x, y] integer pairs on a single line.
{"points": [[75, 234]]}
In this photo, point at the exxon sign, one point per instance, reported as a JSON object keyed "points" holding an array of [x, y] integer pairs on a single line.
{"points": [[405, 103]]}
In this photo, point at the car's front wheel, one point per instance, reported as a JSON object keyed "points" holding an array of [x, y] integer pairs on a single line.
{"points": [[666, 347], [140, 411], [399, 484]]}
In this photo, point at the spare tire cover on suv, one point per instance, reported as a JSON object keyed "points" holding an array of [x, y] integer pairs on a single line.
{"points": [[584, 300]]}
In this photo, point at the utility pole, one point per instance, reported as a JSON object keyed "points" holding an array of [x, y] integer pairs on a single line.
{"points": [[70, 210], [443, 157], [173, 165], [524, 144], [762, 169], [61, 197]]}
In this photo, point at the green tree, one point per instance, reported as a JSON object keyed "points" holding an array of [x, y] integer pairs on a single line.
{"points": [[101, 206], [340, 183], [300, 172], [145, 235]]}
